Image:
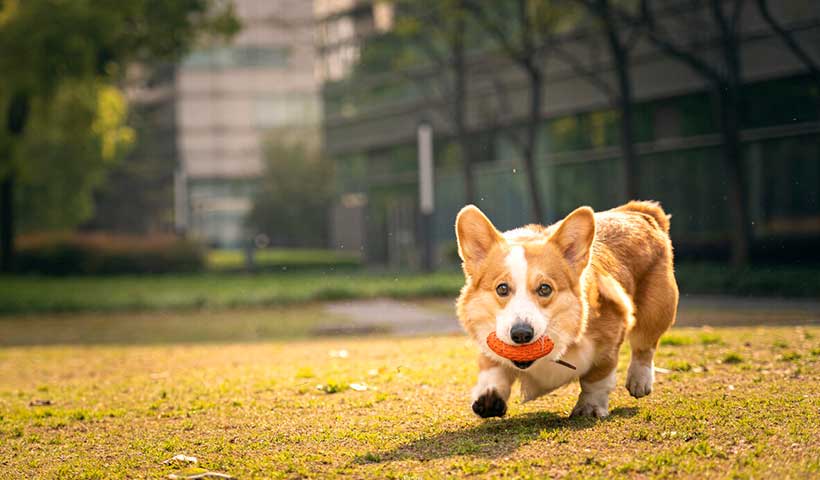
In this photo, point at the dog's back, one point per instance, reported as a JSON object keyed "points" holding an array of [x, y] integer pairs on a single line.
{"points": [[630, 242]]}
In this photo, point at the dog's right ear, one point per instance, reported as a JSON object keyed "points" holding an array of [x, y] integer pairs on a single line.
{"points": [[476, 236]]}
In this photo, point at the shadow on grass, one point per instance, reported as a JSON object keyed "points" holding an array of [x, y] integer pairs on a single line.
{"points": [[174, 327], [492, 438]]}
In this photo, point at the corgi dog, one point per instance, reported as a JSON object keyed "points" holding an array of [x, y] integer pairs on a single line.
{"points": [[584, 283]]}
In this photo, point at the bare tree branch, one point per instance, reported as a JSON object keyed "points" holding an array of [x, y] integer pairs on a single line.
{"points": [[670, 48], [788, 39], [498, 33], [583, 71]]}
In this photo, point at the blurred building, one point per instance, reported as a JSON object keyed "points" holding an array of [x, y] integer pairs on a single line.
{"points": [[371, 115], [341, 27], [229, 101]]}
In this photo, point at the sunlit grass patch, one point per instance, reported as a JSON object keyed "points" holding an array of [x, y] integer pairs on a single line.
{"points": [[679, 365], [732, 358], [251, 409], [708, 338], [790, 356], [672, 339]]}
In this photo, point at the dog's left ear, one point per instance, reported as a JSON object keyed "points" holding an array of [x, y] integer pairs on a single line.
{"points": [[574, 238]]}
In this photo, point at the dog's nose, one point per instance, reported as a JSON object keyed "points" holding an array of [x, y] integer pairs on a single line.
{"points": [[521, 332]]}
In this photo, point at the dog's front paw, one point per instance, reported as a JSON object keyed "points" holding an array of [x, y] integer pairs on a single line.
{"points": [[490, 404], [639, 379], [585, 408]]}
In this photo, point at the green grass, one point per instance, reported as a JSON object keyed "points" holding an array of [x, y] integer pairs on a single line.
{"points": [[253, 409], [32, 294], [732, 358], [283, 259], [211, 291], [673, 339]]}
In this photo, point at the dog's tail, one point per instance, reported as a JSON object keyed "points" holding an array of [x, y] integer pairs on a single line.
{"points": [[650, 208]]}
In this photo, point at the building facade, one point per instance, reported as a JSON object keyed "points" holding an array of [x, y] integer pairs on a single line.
{"points": [[370, 122], [233, 98]]}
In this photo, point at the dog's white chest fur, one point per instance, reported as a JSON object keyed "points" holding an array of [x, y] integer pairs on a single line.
{"points": [[545, 376]]}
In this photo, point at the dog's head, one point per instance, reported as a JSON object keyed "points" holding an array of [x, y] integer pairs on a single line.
{"points": [[525, 283]]}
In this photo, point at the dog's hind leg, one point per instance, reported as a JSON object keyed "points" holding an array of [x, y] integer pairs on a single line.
{"points": [[656, 303], [492, 391]]}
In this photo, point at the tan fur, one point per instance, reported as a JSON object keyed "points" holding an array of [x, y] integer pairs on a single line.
{"points": [[622, 286]]}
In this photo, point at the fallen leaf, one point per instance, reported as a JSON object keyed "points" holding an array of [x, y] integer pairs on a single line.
{"points": [[181, 458], [200, 475]]}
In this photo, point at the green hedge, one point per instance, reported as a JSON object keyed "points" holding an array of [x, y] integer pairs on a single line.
{"points": [[284, 259], [753, 281], [94, 254]]}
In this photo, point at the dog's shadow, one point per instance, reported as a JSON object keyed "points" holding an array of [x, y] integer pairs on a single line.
{"points": [[492, 438]]}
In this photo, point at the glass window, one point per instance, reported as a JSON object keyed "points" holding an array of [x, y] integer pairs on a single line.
{"points": [[292, 109], [248, 56]]}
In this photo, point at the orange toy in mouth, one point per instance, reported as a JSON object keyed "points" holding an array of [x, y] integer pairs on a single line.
{"points": [[521, 353]]}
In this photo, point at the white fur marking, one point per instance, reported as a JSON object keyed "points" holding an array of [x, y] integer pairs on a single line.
{"points": [[594, 398], [611, 289], [640, 377], [516, 262], [521, 306], [545, 375], [492, 379]]}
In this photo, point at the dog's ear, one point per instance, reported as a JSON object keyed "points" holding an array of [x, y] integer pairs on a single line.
{"points": [[574, 238], [476, 236]]}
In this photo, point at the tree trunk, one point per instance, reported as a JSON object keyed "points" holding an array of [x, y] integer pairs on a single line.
{"points": [[630, 160], [729, 101], [467, 168], [16, 118], [7, 223], [531, 142], [460, 113], [740, 231]]}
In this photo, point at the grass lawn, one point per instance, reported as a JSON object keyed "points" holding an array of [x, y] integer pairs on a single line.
{"points": [[33, 294], [739, 402]]}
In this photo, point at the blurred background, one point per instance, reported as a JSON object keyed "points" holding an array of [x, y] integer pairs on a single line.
{"points": [[325, 146]]}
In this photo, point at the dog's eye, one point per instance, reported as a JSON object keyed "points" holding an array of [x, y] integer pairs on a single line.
{"points": [[502, 289], [544, 290]]}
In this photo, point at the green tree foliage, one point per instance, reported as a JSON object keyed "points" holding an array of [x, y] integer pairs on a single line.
{"points": [[69, 145], [60, 119], [291, 205]]}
